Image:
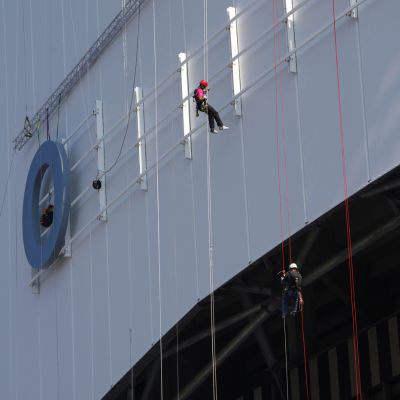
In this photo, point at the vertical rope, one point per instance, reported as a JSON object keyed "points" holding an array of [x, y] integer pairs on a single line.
{"points": [[282, 96], [91, 312], [176, 280], [32, 57], [24, 40], [347, 218], [158, 201], [209, 215], [127, 106], [174, 216], [7, 183], [278, 160], [10, 283]]}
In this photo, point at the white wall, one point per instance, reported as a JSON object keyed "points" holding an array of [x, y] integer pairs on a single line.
{"points": [[72, 341]]}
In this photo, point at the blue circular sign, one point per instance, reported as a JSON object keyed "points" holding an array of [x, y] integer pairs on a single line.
{"points": [[42, 251]]}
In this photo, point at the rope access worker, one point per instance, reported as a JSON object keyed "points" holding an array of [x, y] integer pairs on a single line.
{"points": [[292, 295], [46, 218], [200, 96]]}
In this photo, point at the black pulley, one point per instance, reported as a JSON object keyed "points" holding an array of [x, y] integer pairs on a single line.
{"points": [[96, 184]]}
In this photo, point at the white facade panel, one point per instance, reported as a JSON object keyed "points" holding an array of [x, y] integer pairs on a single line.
{"points": [[98, 312], [100, 316], [65, 347], [261, 161], [380, 64], [81, 312]]}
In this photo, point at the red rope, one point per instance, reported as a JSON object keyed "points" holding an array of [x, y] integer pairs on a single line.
{"points": [[348, 226], [305, 356]]}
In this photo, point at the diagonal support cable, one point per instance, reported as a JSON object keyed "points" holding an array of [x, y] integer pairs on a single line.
{"points": [[79, 71]]}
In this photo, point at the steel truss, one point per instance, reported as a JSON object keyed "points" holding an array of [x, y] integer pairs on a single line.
{"points": [[78, 72]]}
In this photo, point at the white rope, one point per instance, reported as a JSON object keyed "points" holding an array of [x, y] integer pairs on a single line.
{"points": [[210, 227], [25, 63], [174, 218], [32, 46], [125, 58], [130, 256], [174, 203], [91, 312], [158, 203], [85, 99], [184, 25], [10, 284]]}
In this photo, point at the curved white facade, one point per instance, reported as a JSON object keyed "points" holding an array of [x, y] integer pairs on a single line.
{"points": [[98, 312]]}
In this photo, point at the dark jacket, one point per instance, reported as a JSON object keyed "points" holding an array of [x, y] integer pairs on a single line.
{"points": [[292, 280]]}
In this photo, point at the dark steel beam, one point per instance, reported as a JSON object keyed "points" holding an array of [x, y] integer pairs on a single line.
{"points": [[150, 381], [206, 332], [306, 248], [266, 349], [382, 189], [243, 334], [264, 291], [338, 292], [360, 245]]}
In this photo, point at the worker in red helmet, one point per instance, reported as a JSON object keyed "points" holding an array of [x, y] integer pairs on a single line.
{"points": [[200, 96]]}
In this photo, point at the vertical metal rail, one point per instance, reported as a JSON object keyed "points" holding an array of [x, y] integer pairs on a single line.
{"points": [[354, 12], [291, 36], [237, 87], [185, 104], [101, 160], [67, 249], [141, 143]]}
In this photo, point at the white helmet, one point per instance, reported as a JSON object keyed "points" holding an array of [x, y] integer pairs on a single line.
{"points": [[293, 266]]}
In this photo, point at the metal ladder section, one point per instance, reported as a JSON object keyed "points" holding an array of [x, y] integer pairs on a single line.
{"points": [[79, 71]]}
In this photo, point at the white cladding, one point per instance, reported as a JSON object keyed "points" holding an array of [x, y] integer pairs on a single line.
{"points": [[99, 311]]}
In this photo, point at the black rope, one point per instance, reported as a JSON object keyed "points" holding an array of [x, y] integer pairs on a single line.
{"points": [[131, 101]]}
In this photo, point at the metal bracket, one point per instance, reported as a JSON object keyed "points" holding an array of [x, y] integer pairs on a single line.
{"points": [[354, 12], [185, 105], [291, 40], [101, 160], [237, 103], [35, 283], [67, 251], [141, 140]]}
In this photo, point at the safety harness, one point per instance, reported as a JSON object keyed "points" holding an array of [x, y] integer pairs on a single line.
{"points": [[201, 105]]}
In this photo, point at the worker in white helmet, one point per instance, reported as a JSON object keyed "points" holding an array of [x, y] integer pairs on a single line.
{"points": [[292, 295]]}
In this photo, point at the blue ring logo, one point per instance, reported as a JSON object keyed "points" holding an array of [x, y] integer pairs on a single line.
{"points": [[42, 251]]}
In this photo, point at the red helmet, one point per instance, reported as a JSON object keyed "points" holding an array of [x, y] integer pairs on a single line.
{"points": [[203, 83]]}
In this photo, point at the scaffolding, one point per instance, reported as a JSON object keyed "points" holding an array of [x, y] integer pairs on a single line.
{"points": [[78, 72]]}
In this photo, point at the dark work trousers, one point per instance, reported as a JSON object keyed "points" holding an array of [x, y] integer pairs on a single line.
{"points": [[290, 301], [213, 115]]}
